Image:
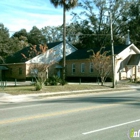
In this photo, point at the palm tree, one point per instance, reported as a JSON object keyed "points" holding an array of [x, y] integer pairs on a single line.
{"points": [[67, 5]]}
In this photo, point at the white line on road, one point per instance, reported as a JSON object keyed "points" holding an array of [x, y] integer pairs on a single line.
{"points": [[114, 126]]}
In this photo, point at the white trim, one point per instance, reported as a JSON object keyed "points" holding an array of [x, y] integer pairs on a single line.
{"points": [[91, 67], [82, 67]]}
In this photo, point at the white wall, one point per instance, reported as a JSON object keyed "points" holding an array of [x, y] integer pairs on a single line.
{"points": [[132, 49], [0, 75]]}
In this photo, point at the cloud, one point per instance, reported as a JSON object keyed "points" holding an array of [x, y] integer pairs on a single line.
{"points": [[19, 14], [39, 20]]}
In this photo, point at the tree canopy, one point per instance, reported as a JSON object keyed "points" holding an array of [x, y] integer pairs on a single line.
{"points": [[89, 29], [68, 4], [7, 45], [94, 21]]}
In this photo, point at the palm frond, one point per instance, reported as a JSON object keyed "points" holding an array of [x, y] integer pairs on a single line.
{"points": [[68, 4]]}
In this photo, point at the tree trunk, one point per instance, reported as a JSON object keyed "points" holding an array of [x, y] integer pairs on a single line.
{"points": [[102, 81]]}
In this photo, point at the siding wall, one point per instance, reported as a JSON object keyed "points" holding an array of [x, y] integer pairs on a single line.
{"points": [[15, 71], [53, 70], [78, 72], [39, 68], [123, 55]]}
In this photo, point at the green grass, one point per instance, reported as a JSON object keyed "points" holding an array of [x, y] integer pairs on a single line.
{"points": [[31, 89]]}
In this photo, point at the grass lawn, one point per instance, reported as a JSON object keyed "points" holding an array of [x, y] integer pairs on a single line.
{"points": [[28, 89]]}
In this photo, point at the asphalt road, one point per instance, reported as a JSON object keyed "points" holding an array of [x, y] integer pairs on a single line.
{"points": [[86, 117]]}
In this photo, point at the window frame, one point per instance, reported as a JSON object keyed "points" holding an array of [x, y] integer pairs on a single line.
{"points": [[82, 67], [20, 71], [91, 68], [73, 68], [11, 71]]}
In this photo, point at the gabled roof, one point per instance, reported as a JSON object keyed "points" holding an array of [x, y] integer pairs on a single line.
{"points": [[83, 54], [53, 55], [118, 48], [18, 58], [3, 68], [79, 54], [131, 60], [53, 44], [134, 60]]}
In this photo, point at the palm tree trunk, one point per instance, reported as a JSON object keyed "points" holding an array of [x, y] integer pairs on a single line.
{"points": [[64, 41]]}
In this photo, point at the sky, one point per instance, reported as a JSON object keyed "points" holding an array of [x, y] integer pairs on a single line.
{"points": [[24, 14]]}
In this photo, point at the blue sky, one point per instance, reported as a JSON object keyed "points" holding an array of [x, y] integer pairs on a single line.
{"points": [[24, 14]]}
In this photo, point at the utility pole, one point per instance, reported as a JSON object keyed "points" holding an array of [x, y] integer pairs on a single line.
{"points": [[64, 42], [112, 51]]}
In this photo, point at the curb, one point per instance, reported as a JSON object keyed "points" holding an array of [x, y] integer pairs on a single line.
{"points": [[6, 98]]}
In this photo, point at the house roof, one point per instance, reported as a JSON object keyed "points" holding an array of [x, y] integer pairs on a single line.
{"points": [[83, 54], [118, 48], [3, 68], [79, 54], [131, 60], [53, 44], [18, 58], [134, 60]]}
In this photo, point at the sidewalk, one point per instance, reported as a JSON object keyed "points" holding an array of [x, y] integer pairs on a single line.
{"points": [[7, 98]]}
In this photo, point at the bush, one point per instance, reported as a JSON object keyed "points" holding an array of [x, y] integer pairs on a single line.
{"points": [[46, 83], [38, 85], [54, 80], [63, 82]]}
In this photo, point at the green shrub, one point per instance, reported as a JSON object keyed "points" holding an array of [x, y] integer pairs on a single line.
{"points": [[46, 83], [63, 82], [54, 80], [38, 85]]}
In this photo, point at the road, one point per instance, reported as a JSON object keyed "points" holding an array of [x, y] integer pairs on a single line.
{"points": [[87, 117]]}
